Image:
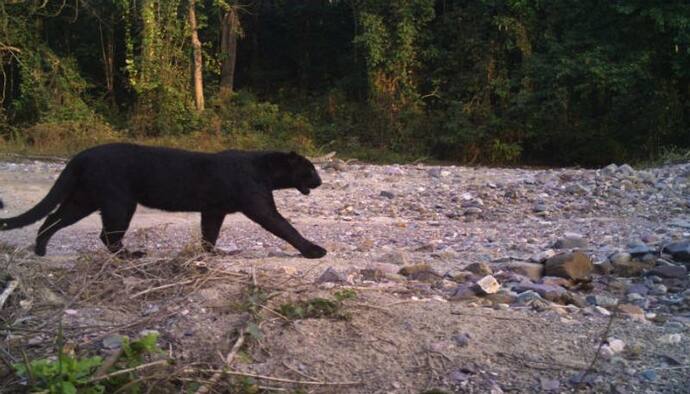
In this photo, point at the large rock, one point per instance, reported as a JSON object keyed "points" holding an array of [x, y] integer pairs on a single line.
{"points": [[533, 271], [669, 271], [680, 251], [575, 265]]}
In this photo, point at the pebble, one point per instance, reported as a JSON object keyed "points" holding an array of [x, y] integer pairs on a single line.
{"points": [[330, 275], [670, 339], [602, 300]]}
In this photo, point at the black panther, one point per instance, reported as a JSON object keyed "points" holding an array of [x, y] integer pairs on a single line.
{"points": [[114, 178]]}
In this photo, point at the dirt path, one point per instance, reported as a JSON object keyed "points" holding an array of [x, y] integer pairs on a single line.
{"points": [[407, 336]]}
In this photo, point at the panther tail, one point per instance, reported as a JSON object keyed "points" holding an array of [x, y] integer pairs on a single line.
{"points": [[64, 184]]}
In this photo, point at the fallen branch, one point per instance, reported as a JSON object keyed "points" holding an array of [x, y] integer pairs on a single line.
{"points": [[125, 371], [141, 293], [272, 378], [228, 361], [11, 285]]}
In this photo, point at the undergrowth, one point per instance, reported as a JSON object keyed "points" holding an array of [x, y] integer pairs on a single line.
{"points": [[69, 373]]}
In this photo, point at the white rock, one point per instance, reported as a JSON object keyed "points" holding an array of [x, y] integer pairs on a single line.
{"points": [[489, 285], [616, 345]]}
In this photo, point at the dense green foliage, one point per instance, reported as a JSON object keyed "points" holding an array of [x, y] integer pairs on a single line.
{"points": [[494, 81]]}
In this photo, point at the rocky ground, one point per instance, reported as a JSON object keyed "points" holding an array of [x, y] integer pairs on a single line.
{"points": [[462, 279]]}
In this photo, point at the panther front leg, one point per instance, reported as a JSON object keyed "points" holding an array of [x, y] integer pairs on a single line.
{"points": [[264, 213]]}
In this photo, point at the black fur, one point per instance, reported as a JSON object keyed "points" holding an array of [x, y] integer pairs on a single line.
{"points": [[113, 178]]}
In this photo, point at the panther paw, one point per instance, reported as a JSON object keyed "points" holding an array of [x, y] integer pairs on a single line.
{"points": [[314, 252]]}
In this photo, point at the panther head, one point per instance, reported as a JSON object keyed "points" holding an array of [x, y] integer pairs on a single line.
{"points": [[304, 175]]}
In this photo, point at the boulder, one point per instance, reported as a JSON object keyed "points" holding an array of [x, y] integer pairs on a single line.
{"points": [[575, 265]]}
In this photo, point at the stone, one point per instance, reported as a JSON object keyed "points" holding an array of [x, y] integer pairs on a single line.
{"points": [[575, 265], [631, 268], [420, 272], [503, 296], [609, 169], [387, 194], [606, 352], [472, 211], [669, 271], [463, 292], [601, 311], [527, 297], [680, 251], [602, 300], [625, 170], [371, 274], [434, 172], [539, 208], [658, 289], [551, 293], [479, 269], [112, 342], [620, 258], [330, 275], [648, 375], [394, 277], [396, 257], [461, 340], [556, 281], [533, 271], [616, 345], [576, 188], [385, 267], [572, 241], [570, 298], [640, 250], [638, 288], [488, 285], [458, 376], [670, 339], [393, 171], [603, 267], [549, 384], [543, 256], [632, 311], [464, 276]]}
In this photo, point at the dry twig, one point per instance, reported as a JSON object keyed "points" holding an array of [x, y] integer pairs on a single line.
{"points": [[275, 379], [125, 371], [11, 285], [228, 361]]}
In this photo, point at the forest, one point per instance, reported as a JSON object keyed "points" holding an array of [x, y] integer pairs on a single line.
{"points": [[500, 82]]}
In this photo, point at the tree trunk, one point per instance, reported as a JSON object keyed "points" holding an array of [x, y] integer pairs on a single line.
{"points": [[196, 46], [230, 26], [108, 53]]}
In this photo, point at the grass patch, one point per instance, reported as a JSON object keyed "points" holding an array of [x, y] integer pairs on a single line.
{"points": [[317, 307]]}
